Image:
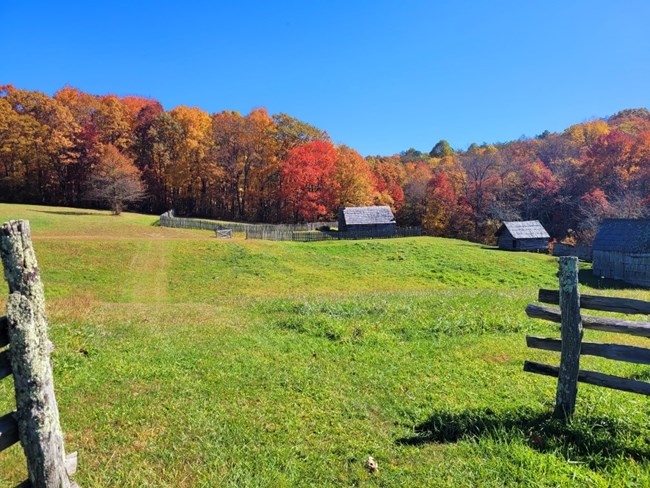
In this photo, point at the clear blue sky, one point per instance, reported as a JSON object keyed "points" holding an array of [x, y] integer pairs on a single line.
{"points": [[380, 76]]}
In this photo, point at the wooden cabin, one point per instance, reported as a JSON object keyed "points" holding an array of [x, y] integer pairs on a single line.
{"points": [[377, 220], [621, 251], [528, 235]]}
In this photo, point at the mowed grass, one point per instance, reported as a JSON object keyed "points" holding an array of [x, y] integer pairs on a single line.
{"points": [[183, 360]]}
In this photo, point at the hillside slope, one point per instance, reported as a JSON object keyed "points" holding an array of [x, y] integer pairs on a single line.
{"points": [[183, 360]]}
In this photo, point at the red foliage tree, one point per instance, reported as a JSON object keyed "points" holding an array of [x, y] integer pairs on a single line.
{"points": [[308, 187], [609, 162], [446, 214]]}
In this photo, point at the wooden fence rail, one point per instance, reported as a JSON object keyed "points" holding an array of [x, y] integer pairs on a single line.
{"points": [[301, 236], [571, 346], [168, 219], [35, 423], [308, 232]]}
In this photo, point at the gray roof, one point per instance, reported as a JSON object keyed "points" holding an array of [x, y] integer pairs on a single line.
{"points": [[368, 215], [527, 229], [623, 235]]}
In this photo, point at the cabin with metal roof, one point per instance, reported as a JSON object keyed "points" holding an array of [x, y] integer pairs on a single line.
{"points": [[528, 235], [376, 221], [621, 251]]}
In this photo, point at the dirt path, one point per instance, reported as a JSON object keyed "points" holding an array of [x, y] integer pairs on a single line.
{"points": [[149, 269]]}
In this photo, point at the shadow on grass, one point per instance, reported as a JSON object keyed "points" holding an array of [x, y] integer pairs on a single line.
{"points": [[596, 441], [54, 212], [587, 277], [485, 247]]}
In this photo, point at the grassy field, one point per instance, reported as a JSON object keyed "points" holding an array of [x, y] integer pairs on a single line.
{"points": [[183, 360]]}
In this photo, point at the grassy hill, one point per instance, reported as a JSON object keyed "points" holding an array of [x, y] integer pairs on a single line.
{"points": [[183, 360]]}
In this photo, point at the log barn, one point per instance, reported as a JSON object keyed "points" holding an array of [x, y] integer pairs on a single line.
{"points": [[527, 235], [377, 220], [621, 251]]}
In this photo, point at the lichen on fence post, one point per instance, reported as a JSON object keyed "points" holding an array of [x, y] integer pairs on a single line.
{"points": [[37, 412], [571, 331]]}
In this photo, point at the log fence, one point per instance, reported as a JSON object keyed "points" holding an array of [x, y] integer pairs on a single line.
{"points": [[571, 346], [35, 422]]}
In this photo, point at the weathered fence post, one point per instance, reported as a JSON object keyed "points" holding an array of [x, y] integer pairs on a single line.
{"points": [[571, 331], [37, 413]]}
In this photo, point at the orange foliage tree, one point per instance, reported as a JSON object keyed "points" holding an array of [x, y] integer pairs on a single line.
{"points": [[116, 181], [354, 179]]}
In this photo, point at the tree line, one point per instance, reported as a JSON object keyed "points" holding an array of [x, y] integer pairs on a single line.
{"points": [[79, 149]]}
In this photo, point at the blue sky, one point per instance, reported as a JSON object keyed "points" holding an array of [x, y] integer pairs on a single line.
{"points": [[379, 76]]}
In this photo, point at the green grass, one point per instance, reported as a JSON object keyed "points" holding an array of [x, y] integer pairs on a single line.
{"points": [[183, 360]]}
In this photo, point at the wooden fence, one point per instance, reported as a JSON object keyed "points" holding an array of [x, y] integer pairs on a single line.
{"points": [[308, 232], [276, 234], [583, 253], [35, 423], [169, 220], [571, 346]]}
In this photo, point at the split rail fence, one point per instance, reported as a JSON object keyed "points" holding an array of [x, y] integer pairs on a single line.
{"points": [[35, 423], [571, 346]]}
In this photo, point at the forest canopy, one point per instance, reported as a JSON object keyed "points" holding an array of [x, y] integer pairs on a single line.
{"points": [[275, 168]]}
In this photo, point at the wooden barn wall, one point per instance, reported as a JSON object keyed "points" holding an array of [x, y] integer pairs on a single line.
{"points": [[531, 244], [631, 268], [379, 229], [506, 242]]}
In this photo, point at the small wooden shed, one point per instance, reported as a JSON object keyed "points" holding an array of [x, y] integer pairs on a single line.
{"points": [[621, 251], [527, 235], [377, 220]]}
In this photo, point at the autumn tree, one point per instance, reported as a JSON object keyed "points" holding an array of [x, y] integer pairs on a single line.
{"points": [[115, 182], [640, 156], [586, 134], [291, 132], [113, 121], [161, 170], [262, 168], [21, 145], [441, 149], [390, 177], [244, 147], [480, 164], [53, 141], [631, 121], [308, 186], [446, 214], [416, 183], [200, 173], [82, 105], [609, 163], [353, 178]]}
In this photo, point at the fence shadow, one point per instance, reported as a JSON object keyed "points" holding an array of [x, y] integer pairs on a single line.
{"points": [[596, 441]]}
